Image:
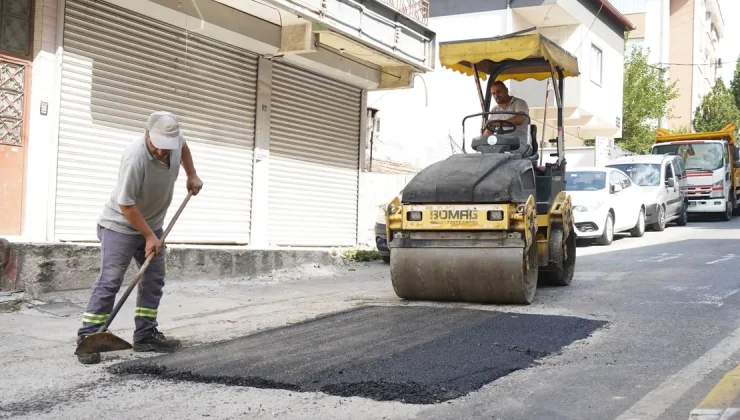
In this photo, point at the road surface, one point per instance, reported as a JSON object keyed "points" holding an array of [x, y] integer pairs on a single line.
{"points": [[648, 326]]}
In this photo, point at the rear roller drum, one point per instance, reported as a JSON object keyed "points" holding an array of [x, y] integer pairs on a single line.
{"points": [[562, 259]]}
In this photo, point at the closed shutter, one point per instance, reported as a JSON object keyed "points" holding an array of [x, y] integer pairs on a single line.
{"points": [[314, 159], [118, 68]]}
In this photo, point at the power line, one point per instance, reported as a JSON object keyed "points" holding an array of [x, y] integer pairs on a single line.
{"points": [[661, 65], [589, 29]]}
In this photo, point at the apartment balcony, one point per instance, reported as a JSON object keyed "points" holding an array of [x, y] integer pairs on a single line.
{"points": [[417, 10], [390, 35]]}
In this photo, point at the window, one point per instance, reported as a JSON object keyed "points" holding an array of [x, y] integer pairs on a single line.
{"points": [[596, 57], [614, 179], [643, 174], [634, 43], [585, 181], [668, 171], [680, 168], [15, 32], [623, 180]]}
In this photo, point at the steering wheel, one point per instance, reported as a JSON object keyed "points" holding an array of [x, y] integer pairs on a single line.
{"points": [[500, 127]]}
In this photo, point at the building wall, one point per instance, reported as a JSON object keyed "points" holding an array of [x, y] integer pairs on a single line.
{"points": [[677, 33], [682, 50], [416, 124], [594, 116], [40, 160], [257, 36]]}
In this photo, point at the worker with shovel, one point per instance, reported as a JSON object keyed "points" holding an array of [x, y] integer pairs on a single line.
{"points": [[131, 227]]}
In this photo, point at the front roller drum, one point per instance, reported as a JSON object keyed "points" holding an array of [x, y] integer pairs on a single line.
{"points": [[476, 275]]}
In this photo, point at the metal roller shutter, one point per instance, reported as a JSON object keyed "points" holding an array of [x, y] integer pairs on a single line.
{"points": [[314, 159], [119, 67]]}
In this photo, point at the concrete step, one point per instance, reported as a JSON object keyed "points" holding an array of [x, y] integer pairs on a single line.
{"points": [[53, 267]]}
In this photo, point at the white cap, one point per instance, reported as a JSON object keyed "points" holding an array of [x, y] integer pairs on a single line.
{"points": [[164, 130]]}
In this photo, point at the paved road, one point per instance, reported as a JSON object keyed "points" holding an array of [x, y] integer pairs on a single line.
{"points": [[670, 302]]}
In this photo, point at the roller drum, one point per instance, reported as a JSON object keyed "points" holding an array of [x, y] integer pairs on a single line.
{"points": [[476, 275]]}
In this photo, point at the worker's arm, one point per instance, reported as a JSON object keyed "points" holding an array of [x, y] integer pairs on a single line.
{"points": [[131, 179], [194, 183], [517, 120], [519, 106], [133, 215]]}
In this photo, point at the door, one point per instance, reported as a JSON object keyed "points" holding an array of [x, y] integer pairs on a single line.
{"points": [[14, 76], [616, 200], [16, 41], [630, 199], [314, 159], [118, 68], [673, 200]]}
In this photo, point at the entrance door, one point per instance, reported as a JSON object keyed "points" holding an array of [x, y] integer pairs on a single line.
{"points": [[15, 58]]}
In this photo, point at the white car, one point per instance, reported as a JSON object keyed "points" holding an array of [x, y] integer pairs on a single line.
{"points": [[605, 201]]}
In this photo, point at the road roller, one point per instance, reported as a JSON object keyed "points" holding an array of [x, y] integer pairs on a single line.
{"points": [[486, 226]]}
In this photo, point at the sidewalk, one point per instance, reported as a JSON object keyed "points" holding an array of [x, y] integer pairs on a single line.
{"points": [[39, 268], [723, 401]]}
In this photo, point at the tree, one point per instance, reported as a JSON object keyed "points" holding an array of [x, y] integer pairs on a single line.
{"points": [[717, 109], [735, 84], [646, 97], [684, 129]]}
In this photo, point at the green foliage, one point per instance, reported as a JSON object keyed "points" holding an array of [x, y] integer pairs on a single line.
{"points": [[589, 142], [684, 129], [362, 255], [735, 84], [717, 109], [646, 97]]}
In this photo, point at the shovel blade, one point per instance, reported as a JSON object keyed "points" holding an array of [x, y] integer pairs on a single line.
{"points": [[101, 342]]}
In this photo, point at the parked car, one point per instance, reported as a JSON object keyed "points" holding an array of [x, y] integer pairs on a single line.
{"points": [[664, 186], [381, 242], [605, 202]]}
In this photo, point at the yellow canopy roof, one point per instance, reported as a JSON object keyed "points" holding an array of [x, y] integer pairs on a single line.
{"points": [[488, 54]]}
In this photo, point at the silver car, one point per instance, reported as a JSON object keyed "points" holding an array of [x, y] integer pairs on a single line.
{"points": [[663, 181]]}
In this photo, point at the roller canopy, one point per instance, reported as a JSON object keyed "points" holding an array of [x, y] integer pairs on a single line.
{"points": [[514, 57]]}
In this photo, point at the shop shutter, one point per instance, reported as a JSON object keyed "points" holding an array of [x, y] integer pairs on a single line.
{"points": [[118, 67], [314, 159]]}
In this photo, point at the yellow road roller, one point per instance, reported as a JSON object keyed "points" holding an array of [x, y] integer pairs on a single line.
{"points": [[485, 226]]}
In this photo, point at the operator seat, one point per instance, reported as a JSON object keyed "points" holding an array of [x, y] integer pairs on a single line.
{"points": [[533, 138]]}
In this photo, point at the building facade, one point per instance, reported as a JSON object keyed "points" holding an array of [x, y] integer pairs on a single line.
{"points": [[423, 124], [271, 96], [683, 37]]}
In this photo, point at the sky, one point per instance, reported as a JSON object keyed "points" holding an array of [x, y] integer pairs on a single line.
{"points": [[730, 45]]}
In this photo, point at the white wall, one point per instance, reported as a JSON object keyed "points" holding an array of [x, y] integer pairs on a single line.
{"points": [[375, 190], [40, 170], [603, 101], [414, 123]]}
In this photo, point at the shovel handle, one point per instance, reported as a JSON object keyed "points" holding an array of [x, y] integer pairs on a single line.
{"points": [[144, 266]]}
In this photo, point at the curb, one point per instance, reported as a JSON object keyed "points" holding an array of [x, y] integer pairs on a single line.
{"points": [[42, 268], [723, 401]]}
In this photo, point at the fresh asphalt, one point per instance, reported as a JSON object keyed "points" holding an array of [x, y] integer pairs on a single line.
{"points": [[645, 330], [417, 355]]}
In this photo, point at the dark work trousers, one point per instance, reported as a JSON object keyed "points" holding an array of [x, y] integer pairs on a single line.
{"points": [[116, 251]]}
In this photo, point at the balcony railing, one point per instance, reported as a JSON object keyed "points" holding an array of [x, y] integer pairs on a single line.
{"points": [[417, 10]]}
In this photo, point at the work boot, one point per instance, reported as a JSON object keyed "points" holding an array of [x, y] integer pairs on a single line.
{"points": [[156, 341]]}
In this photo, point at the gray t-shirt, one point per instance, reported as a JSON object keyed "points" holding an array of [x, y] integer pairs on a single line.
{"points": [[145, 181], [522, 131]]}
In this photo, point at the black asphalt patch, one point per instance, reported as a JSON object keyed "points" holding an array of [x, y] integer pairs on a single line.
{"points": [[417, 355]]}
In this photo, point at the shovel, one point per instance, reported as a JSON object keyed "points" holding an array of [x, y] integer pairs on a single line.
{"points": [[103, 340]]}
